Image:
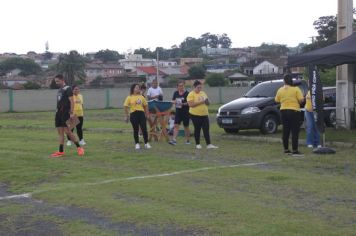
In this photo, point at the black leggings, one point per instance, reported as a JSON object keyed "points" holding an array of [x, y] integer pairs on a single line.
{"points": [[200, 122], [291, 122], [79, 128], [138, 119]]}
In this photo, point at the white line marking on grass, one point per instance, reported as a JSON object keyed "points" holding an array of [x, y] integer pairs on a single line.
{"points": [[176, 173], [28, 195], [24, 195]]}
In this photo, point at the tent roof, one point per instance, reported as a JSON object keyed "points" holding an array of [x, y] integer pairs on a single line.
{"points": [[341, 52]]}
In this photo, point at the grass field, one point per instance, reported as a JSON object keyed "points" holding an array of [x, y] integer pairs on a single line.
{"points": [[168, 190]]}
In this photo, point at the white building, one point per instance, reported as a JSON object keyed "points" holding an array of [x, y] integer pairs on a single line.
{"points": [[265, 67], [136, 60]]}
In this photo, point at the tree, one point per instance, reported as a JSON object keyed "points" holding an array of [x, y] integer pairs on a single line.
{"points": [[326, 26], [53, 84], [272, 50], [191, 47], [145, 52], [224, 41], [72, 67], [108, 55], [196, 72], [27, 66], [209, 40], [47, 55], [215, 79], [328, 77]]}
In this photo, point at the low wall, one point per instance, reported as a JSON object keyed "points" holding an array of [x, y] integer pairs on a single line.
{"points": [[45, 100]]}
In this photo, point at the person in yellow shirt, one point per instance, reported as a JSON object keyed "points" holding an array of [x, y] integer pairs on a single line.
{"points": [[79, 112], [290, 97], [198, 103], [136, 111], [313, 135]]}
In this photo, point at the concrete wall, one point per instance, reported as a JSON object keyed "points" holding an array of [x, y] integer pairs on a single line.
{"points": [[45, 100]]}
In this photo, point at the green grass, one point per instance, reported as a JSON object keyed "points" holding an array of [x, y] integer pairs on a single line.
{"points": [[314, 195]]}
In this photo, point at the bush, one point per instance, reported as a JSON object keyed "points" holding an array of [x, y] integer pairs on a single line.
{"points": [[215, 80], [31, 85]]}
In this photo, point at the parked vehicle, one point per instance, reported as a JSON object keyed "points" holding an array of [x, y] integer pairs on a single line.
{"points": [[258, 110], [329, 106]]}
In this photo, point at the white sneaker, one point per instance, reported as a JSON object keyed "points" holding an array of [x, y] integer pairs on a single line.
{"points": [[310, 146], [147, 146], [82, 142], [210, 146], [137, 146], [319, 146], [69, 143], [198, 146]]}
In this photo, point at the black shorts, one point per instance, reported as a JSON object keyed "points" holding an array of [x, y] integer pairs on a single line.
{"points": [[61, 118], [182, 116]]}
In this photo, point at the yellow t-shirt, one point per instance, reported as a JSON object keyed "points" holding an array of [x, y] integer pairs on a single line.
{"points": [[78, 105], [289, 97], [200, 110], [135, 102], [308, 103]]}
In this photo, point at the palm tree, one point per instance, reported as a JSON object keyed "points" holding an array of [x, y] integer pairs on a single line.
{"points": [[72, 67]]}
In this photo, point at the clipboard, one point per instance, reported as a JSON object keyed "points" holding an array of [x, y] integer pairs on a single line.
{"points": [[72, 122]]}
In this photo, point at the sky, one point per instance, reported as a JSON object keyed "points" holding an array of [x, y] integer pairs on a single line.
{"points": [[125, 25]]}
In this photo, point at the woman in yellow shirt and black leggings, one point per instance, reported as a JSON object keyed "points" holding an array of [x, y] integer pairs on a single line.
{"points": [[136, 110], [290, 98], [198, 110], [79, 112]]}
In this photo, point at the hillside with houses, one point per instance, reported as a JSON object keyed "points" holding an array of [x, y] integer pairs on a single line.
{"points": [[192, 59]]}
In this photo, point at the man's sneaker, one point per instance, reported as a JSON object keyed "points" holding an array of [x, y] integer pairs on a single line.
{"points": [[297, 154], [319, 146], [310, 146], [288, 152], [82, 142], [147, 146], [210, 146], [69, 143], [57, 154], [80, 151], [172, 142], [187, 142], [137, 146], [198, 146]]}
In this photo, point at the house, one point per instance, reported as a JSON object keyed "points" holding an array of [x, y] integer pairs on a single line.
{"points": [[221, 68], [135, 60], [260, 66], [150, 73], [241, 80], [15, 81], [215, 51], [178, 72], [167, 63], [105, 70], [190, 61]]}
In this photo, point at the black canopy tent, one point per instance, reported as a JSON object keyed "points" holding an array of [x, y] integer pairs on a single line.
{"points": [[341, 52]]}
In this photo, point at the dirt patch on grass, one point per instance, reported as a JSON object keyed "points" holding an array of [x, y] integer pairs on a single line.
{"points": [[32, 222]]}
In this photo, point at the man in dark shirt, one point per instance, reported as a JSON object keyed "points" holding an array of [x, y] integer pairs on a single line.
{"points": [[65, 106], [182, 112]]}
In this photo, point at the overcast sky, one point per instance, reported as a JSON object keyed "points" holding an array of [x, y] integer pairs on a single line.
{"points": [[121, 25]]}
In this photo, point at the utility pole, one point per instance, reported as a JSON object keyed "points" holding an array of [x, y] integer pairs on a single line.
{"points": [[345, 97], [157, 71]]}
